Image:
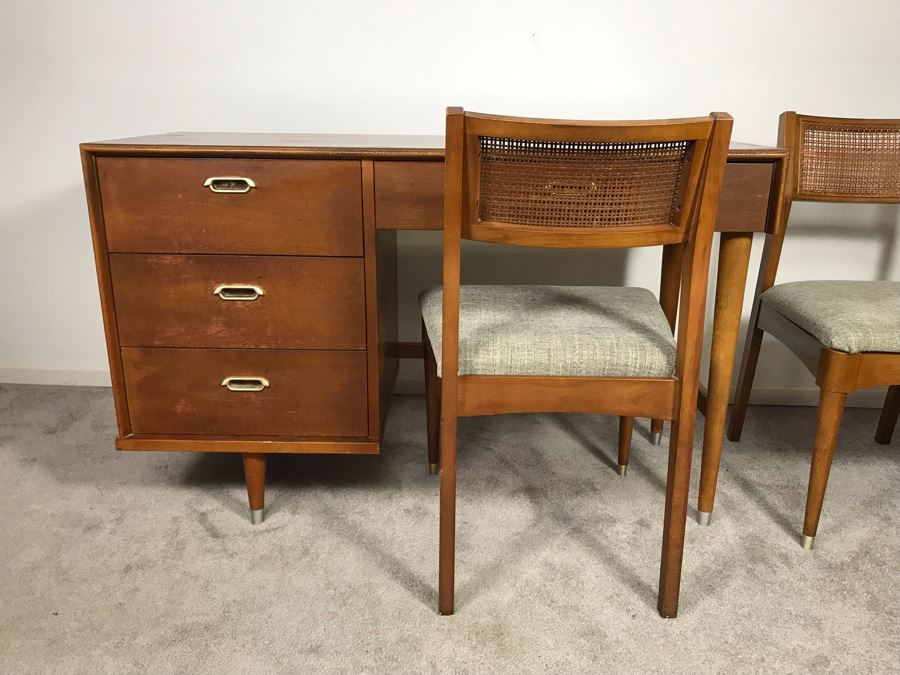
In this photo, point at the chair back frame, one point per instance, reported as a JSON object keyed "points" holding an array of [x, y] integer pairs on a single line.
{"points": [[568, 169], [840, 159]]}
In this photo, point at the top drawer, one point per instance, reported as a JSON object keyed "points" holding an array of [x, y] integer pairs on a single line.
{"points": [[166, 205]]}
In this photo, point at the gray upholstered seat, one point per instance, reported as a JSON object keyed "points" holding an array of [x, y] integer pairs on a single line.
{"points": [[556, 330], [847, 316]]}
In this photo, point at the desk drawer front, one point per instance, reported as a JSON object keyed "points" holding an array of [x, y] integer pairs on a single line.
{"points": [[744, 202], [171, 205], [271, 393], [275, 302], [409, 195]]}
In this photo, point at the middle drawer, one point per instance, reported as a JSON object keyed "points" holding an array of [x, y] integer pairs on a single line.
{"points": [[264, 302]]}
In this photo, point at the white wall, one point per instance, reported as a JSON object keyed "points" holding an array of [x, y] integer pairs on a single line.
{"points": [[90, 70]]}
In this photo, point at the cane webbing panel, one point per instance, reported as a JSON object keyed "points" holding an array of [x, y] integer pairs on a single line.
{"points": [[580, 184], [849, 159]]}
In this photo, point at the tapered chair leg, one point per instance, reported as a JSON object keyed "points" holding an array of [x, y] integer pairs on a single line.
{"points": [[432, 406], [656, 431], [447, 544], [626, 426], [255, 478], [675, 517], [745, 383], [831, 409], [889, 413]]}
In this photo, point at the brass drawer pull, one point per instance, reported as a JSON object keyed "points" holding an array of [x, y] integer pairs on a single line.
{"points": [[229, 184], [245, 383], [238, 292]]}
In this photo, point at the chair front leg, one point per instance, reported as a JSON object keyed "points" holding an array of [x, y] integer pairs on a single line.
{"points": [[432, 406], [656, 431], [889, 413], [745, 380], [626, 426], [831, 409], [677, 489]]}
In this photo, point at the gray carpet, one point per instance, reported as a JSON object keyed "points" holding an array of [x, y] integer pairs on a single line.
{"points": [[116, 562]]}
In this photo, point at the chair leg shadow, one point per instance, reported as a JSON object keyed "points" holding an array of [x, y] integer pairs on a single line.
{"points": [[756, 494]]}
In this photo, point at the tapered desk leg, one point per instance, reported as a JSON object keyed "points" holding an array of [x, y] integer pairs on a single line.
{"points": [[255, 477], [734, 259]]}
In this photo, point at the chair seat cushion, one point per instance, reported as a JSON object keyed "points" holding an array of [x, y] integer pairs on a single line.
{"points": [[847, 316], [556, 330]]}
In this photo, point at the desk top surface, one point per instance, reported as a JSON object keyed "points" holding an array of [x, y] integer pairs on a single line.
{"points": [[369, 146]]}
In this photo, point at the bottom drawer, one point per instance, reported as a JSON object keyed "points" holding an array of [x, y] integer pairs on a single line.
{"points": [[270, 393]]}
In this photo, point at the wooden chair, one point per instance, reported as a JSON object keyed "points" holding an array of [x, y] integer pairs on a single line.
{"points": [[846, 332], [513, 349]]}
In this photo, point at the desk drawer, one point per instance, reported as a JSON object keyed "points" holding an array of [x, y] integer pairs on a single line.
{"points": [[744, 202], [301, 393], [275, 302], [409, 195], [297, 207]]}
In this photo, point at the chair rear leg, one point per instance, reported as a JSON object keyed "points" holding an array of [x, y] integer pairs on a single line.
{"points": [[889, 413], [745, 382], [447, 544], [626, 426], [432, 406], [831, 409], [675, 517]]}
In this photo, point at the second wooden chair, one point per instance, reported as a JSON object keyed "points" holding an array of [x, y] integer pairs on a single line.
{"points": [[847, 333]]}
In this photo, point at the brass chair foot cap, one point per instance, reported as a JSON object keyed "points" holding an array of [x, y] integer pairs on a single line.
{"points": [[808, 543], [434, 469], [257, 516], [623, 470], [704, 517], [655, 437]]}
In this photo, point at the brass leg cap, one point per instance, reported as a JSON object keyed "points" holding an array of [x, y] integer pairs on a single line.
{"points": [[808, 543], [704, 517], [434, 469], [623, 470], [257, 516]]}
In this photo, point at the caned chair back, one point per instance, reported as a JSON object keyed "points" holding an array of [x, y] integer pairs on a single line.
{"points": [[836, 159], [577, 184]]}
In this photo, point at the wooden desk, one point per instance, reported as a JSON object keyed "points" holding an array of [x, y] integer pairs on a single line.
{"points": [[248, 284]]}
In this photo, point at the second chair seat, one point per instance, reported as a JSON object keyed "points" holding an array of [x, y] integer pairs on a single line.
{"points": [[595, 331], [846, 316]]}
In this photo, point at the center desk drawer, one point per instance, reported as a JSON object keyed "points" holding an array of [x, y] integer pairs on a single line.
{"points": [[270, 393], [187, 205], [278, 302]]}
